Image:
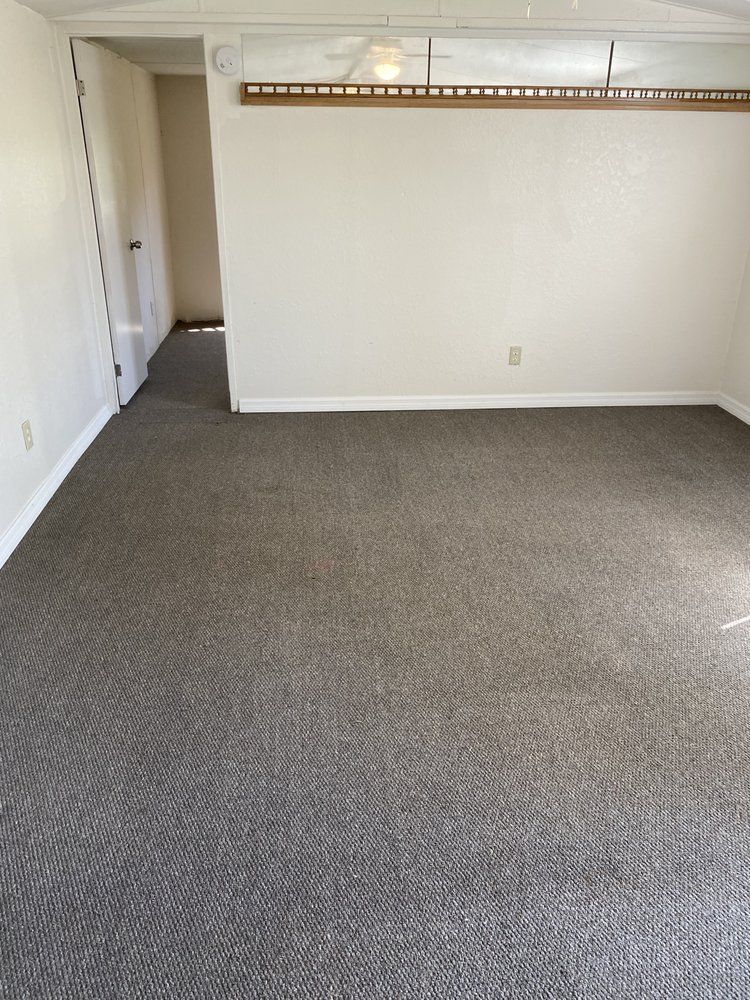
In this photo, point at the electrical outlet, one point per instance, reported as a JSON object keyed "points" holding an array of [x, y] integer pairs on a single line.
{"points": [[514, 357], [28, 440]]}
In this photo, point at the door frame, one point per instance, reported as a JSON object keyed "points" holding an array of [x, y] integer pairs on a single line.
{"points": [[109, 79], [64, 35], [88, 219]]}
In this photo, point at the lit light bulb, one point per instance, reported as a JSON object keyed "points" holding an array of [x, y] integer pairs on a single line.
{"points": [[387, 71]]}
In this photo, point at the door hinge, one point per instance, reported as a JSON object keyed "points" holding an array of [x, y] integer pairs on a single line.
{"points": [[118, 370], [81, 88]]}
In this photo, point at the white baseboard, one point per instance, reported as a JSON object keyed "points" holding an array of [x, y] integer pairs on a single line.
{"points": [[46, 490], [734, 406], [319, 403]]}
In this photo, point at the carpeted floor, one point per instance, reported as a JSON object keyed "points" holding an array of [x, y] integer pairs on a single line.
{"points": [[383, 706]]}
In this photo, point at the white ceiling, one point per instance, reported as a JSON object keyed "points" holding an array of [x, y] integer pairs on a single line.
{"points": [[501, 8], [156, 54], [734, 8]]}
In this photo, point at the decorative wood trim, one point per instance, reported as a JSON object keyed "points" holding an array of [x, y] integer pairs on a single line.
{"points": [[423, 96]]}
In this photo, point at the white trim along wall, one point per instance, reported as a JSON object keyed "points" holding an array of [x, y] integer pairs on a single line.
{"points": [[523, 401], [47, 488], [734, 406]]}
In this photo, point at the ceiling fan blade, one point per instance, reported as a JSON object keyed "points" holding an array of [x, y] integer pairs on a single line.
{"points": [[359, 57]]}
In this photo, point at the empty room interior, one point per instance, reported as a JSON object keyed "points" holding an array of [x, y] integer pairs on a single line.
{"points": [[375, 499]]}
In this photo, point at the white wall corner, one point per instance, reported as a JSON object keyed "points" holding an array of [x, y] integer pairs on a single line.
{"points": [[33, 507], [735, 407], [736, 370], [223, 101]]}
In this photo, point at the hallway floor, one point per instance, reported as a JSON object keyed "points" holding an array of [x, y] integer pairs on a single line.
{"points": [[379, 705]]}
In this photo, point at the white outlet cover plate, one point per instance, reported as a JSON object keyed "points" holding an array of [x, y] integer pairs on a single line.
{"points": [[227, 60]]}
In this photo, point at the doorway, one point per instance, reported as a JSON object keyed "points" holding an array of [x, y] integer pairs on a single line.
{"points": [[144, 113]]}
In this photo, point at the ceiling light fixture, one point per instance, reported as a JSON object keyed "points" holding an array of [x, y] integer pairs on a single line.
{"points": [[386, 70]]}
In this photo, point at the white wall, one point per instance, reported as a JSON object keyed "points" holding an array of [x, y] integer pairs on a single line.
{"points": [[149, 131], [383, 252], [183, 111], [51, 369], [736, 386]]}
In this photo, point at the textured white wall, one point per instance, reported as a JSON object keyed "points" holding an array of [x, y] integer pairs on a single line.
{"points": [[149, 131], [400, 252], [183, 111], [50, 370], [736, 383]]}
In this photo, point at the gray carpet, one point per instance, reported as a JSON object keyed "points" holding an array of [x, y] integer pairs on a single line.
{"points": [[394, 705]]}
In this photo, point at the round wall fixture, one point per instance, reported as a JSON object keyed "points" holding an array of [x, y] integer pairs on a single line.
{"points": [[227, 60]]}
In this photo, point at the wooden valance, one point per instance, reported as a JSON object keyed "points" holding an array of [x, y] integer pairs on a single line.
{"points": [[418, 96]]}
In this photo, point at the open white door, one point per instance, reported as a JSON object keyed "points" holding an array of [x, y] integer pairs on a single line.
{"points": [[112, 146]]}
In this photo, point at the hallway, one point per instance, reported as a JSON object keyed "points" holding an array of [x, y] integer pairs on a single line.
{"points": [[379, 705]]}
